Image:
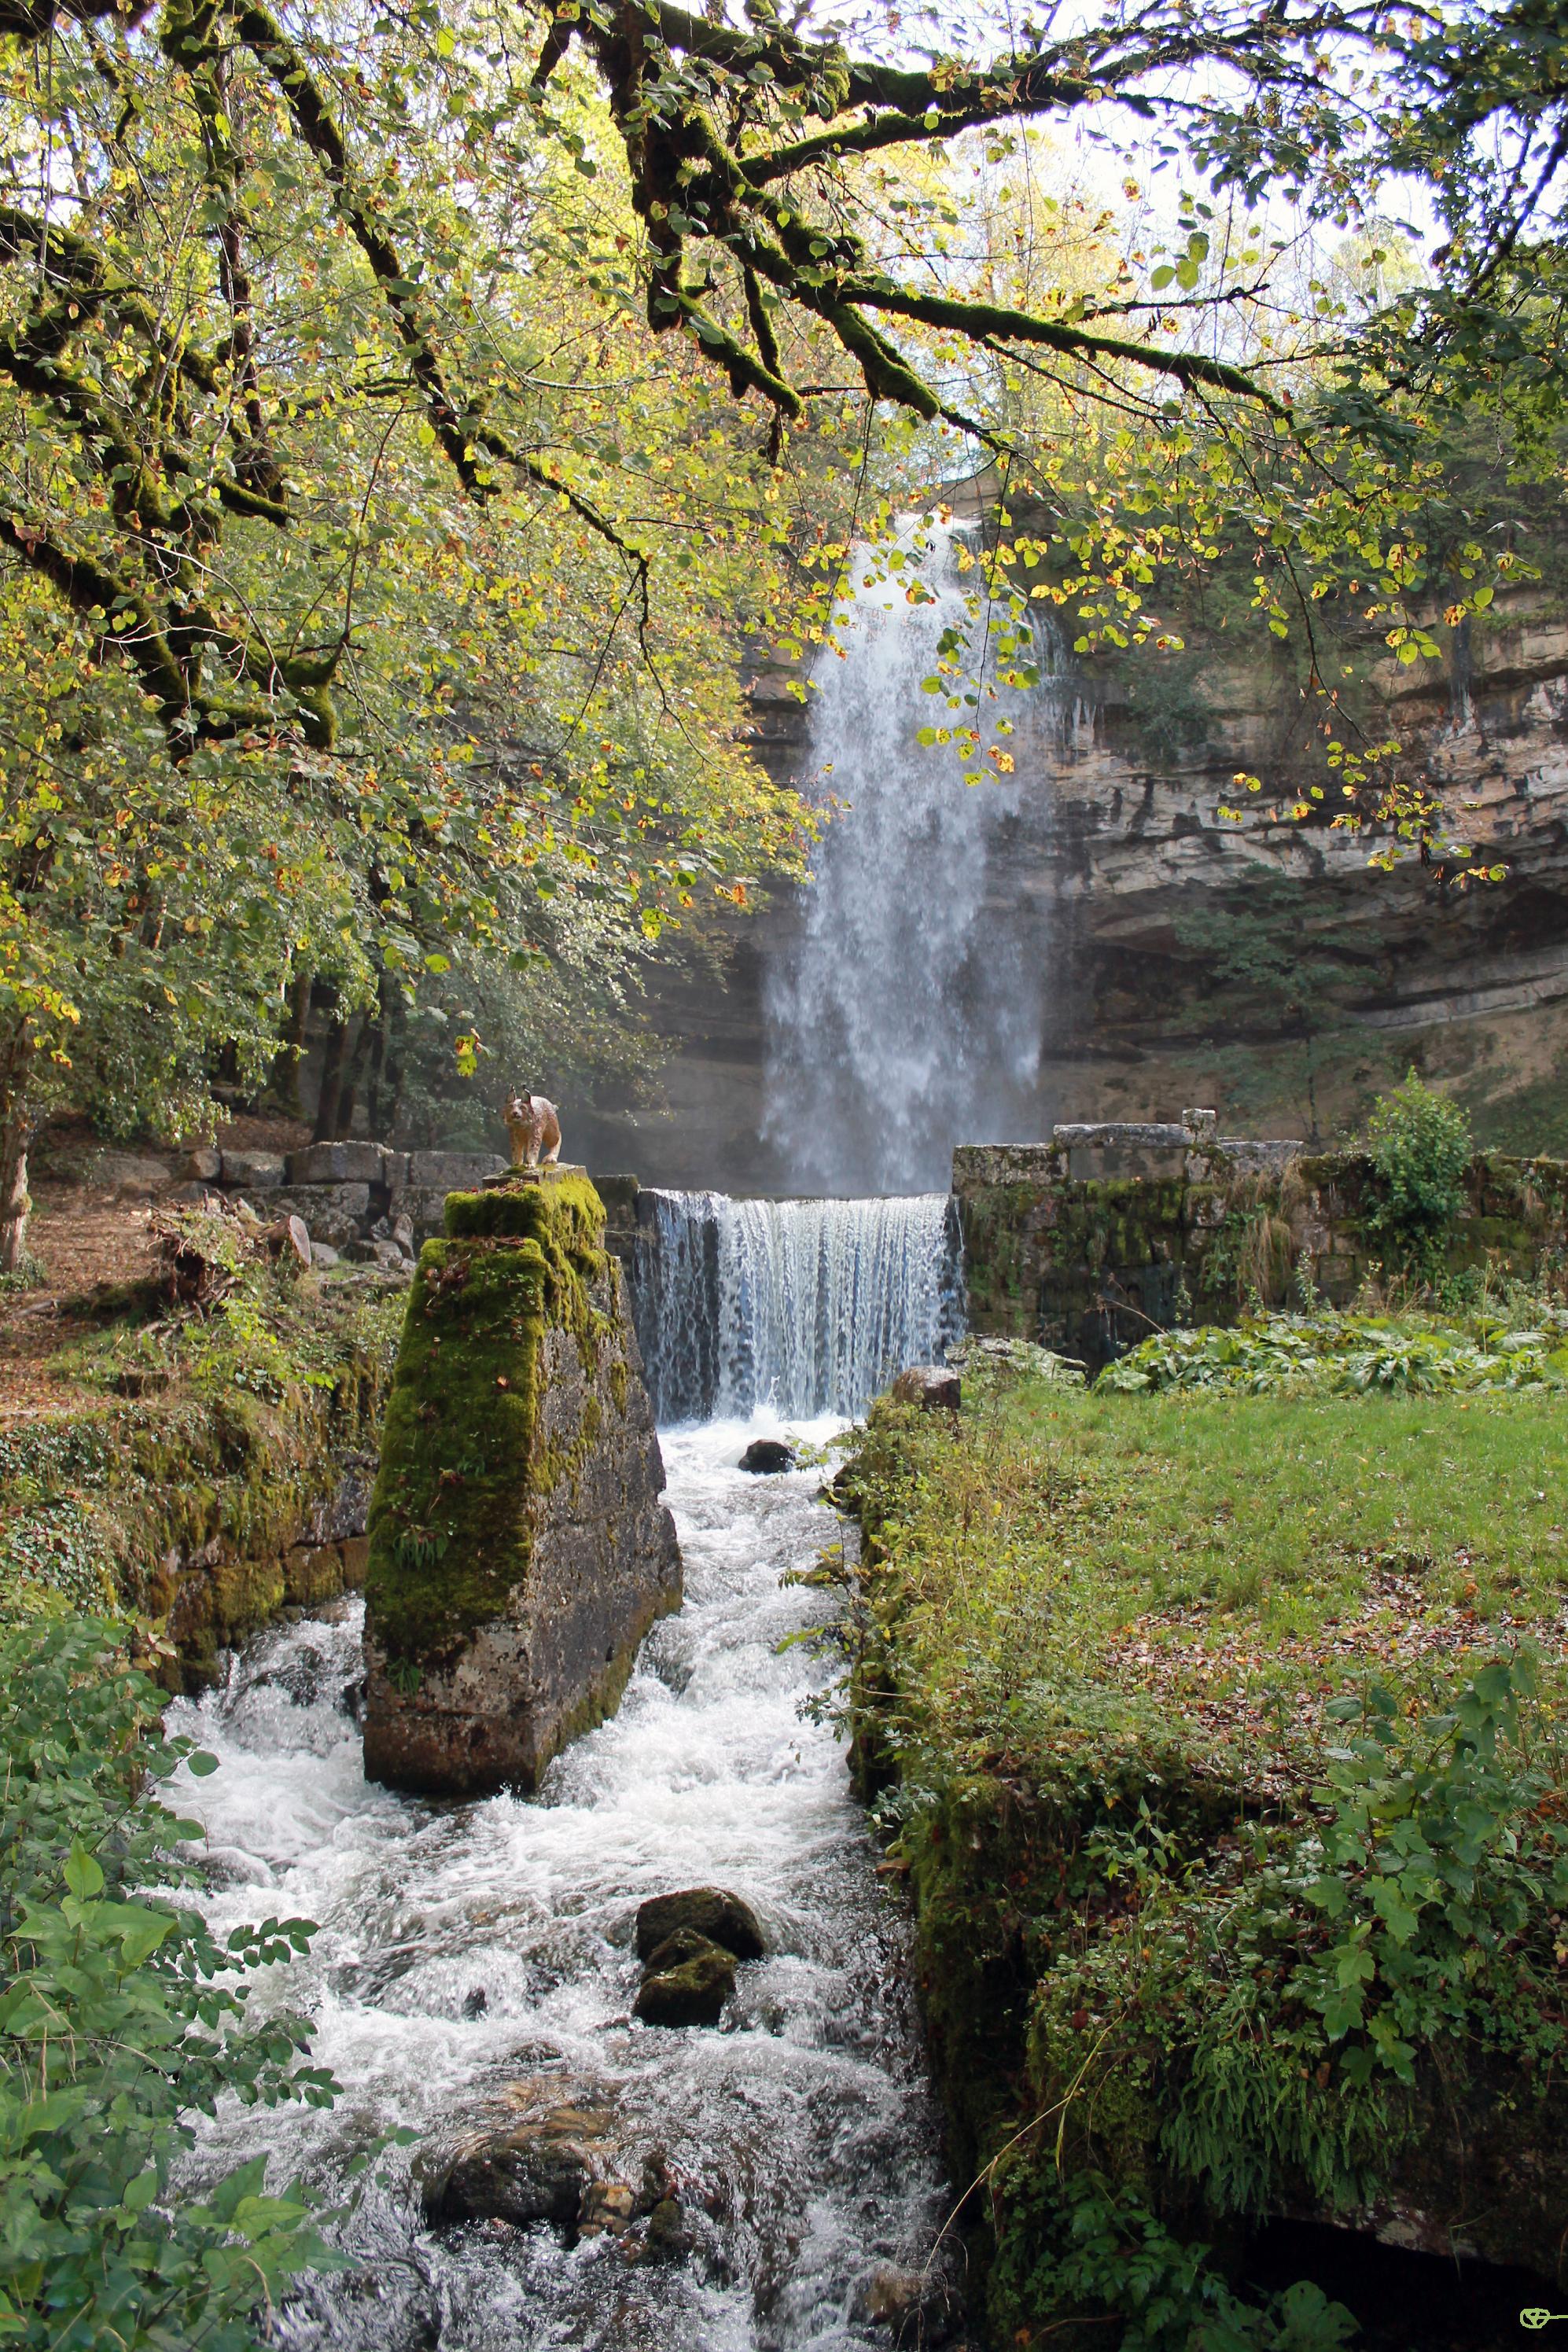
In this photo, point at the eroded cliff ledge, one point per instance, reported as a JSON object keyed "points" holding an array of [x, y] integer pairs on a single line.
{"points": [[1182, 955], [519, 1550]]}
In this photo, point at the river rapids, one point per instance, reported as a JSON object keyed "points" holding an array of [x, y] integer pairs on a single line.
{"points": [[463, 1946]]}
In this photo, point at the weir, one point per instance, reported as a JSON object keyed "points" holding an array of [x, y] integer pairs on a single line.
{"points": [[806, 1307]]}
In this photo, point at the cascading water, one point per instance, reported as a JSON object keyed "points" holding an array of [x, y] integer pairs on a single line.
{"points": [[465, 1947], [905, 1013], [806, 1307]]}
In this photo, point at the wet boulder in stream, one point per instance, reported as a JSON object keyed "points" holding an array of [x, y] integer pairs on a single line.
{"points": [[687, 1982], [708, 1911], [690, 1944], [766, 1456], [544, 2159]]}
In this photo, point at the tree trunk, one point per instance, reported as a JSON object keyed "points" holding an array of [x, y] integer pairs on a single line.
{"points": [[329, 1103], [389, 1100], [16, 1134], [283, 1080], [366, 1055]]}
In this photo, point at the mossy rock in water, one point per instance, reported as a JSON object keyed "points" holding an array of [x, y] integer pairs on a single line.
{"points": [[689, 1981], [711, 1911], [519, 1550]]}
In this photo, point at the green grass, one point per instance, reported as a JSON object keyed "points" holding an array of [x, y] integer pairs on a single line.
{"points": [[1223, 1546]]}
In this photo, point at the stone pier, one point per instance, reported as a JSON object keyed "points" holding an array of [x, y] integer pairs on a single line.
{"points": [[519, 1550]]}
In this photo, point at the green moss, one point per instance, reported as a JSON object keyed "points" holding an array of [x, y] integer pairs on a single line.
{"points": [[464, 1458], [563, 1213], [181, 1505]]}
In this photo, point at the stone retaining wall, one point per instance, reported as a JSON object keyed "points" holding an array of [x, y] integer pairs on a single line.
{"points": [[1090, 1241], [350, 1195]]}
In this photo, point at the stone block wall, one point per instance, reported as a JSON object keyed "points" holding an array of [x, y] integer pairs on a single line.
{"points": [[349, 1195], [1090, 1241]]}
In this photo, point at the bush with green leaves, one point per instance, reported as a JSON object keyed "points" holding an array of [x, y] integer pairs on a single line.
{"points": [[1350, 1355], [1421, 1145], [1245, 2021], [121, 2019]]}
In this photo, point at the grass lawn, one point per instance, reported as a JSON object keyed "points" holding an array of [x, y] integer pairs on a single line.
{"points": [[1220, 1557]]}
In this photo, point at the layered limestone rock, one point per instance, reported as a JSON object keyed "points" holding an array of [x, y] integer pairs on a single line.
{"points": [[1193, 941], [519, 1551]]}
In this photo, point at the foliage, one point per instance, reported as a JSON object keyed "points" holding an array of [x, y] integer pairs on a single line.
{"points": [[1349, 1354], [1421, 1146], [120, 2021], [1080, 2244], [1437, 1869], [386, 525], [287, 695], [303, 444]]}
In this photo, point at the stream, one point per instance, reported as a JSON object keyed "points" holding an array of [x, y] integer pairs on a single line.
{"points": [[466, 1945]]}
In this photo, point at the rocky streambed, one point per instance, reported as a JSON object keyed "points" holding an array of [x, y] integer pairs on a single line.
{"points": [[583, 2176]]}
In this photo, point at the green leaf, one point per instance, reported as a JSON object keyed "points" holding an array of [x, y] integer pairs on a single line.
{"points": [[1341, 2011], [1388, 1901], [82, 1873]]}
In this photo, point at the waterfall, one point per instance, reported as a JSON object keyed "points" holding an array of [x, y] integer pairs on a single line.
{"points": [[809, 1306], [905, 1013]]}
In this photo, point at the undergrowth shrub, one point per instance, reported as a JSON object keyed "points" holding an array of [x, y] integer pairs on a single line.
{"points": [[120, 2021], [1240, 2029], [1350, 1355], [1421, 1145]]}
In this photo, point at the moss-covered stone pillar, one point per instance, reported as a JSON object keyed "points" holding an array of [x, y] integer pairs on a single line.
{"points": [[519, 1550]]}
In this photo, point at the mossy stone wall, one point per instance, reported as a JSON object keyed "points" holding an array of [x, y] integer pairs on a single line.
{"points": [[519, 1551], [1090, 1265]]}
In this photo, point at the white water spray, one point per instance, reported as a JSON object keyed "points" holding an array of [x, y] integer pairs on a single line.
{"points": [[463, 1946], [906, 1013]]}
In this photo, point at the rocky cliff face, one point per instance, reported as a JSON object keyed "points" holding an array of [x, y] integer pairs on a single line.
{"points": [[1182, 956], [519, 1550]]}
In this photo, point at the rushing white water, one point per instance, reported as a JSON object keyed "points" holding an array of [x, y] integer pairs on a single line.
{"points": [[799, 2136], [906, 1012], [808, 1307]]}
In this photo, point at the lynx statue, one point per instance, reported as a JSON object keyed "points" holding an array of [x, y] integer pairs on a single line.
{"points": [[534, 1126]]}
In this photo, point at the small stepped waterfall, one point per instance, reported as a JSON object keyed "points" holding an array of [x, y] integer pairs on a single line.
{"points": [[800, 1306]]}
